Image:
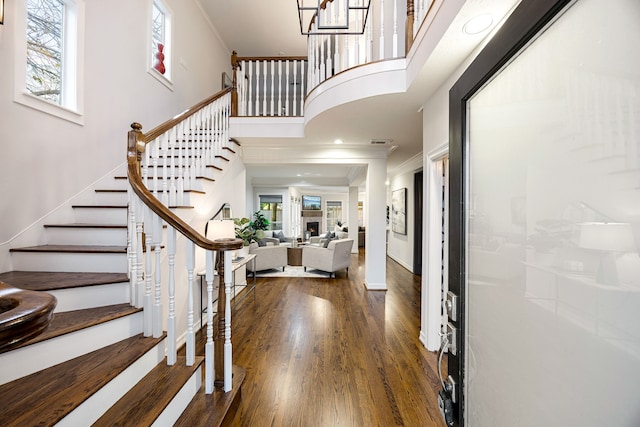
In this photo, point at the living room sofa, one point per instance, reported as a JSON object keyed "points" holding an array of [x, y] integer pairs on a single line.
{"points": [[267, 257], [336, 256], [276, 237]]}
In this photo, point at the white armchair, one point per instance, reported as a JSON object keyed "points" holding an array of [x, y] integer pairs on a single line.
{"points": [[267, 257], [336, 256]]}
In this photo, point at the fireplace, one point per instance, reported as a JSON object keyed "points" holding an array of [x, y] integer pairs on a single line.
{"points": [[313, 227]]}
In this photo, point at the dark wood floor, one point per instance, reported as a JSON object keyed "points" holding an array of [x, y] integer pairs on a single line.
{"points": [[327, 352]]}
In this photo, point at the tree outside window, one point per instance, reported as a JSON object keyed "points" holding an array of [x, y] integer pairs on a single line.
{"points": [[271, 208], [334, 214]]}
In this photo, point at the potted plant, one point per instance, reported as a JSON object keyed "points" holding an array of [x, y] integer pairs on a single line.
{"points": [[259, 224], [244, 231]]}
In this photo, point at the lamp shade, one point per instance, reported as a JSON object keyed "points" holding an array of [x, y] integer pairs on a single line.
{"points": [[607, 236], [217, 229]]}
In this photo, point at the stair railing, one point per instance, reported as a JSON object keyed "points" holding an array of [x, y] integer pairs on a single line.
{"points": [[269, 86], [162, 164]]}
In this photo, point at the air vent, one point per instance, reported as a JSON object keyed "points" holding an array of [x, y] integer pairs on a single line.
{"points": [[380, 141]]}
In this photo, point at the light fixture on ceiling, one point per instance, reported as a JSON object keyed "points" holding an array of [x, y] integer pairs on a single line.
{"points": [[478, 24], [326, 17], [338, 141]]}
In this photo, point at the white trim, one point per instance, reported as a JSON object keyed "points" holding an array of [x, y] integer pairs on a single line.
{"points": [[430, 316]]}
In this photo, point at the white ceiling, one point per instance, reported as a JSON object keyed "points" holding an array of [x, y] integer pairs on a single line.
{"points": [[271, 28]]}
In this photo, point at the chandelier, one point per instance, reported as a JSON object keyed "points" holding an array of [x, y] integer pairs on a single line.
{"points": [[326, 17]]}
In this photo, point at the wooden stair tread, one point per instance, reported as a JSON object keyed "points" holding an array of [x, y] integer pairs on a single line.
{"points": [[150, 396], [114, 190], [84, 225], [214, 409], [47, 396], [52, 280], [222, 157], [229, 149], [72, 321], [72, 249]]}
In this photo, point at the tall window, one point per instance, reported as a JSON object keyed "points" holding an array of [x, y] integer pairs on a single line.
{"points": [[334, 214], [160, 59], [360, 214], [271, 208], [45, 46], [52, 37]]}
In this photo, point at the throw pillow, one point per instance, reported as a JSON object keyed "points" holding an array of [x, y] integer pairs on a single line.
{"points": [[328, 235], [262, 243], [280, 236], [326, 241]]}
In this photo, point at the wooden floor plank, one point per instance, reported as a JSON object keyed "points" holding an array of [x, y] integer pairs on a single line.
{"points": [[328, 352]]}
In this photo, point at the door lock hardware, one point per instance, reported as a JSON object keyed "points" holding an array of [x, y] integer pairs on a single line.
{"points": [[452, 332], [451, 305], [450, 386]]}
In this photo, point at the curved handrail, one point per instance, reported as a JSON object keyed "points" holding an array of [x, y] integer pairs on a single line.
{"points": [[136, 146], [24, 314]]}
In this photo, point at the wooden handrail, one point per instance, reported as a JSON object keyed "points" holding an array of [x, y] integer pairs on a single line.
{"points": [[23, 315]]}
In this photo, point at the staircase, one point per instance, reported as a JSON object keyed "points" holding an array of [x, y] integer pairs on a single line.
{"points": [[93, 365]]}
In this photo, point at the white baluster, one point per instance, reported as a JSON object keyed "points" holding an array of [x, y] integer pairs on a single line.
{"points": [[165, 168], [155, 153], [227, 322], [382, 30], [264, 89], [249, 68], [191, 337], [208, 348], [287, 81], [180, 164], [272, 87], [173, 189], [322, 75], [369, 37], [336, 54], [171, 320], [140, 208], [258, 86], [395, 28], [302, 87], [280, 106], [132, 244], [157, 302], [295, 87], [148, 273], [346, 57]]}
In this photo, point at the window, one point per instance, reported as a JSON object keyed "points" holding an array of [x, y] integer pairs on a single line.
{"points": [[334, 214], [160, 53], [360, 214], [49, 56], [271, 208]]}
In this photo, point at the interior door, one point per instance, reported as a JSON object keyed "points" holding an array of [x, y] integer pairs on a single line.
{"points": [[545, 214]]}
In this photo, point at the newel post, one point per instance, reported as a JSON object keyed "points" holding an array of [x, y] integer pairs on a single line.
{"points": [[234, 86], [135, 143], [408, 28]]}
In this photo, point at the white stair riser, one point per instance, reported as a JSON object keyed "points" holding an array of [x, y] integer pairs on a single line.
{"points": [[33, 358], [110, 198], [116, 216], [74, 262], [95, 406], [86, 236], [176, 407], [91, 296]]}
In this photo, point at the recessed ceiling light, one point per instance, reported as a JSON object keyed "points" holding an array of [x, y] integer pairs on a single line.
{"points": [[338, 141], [478, 24]]}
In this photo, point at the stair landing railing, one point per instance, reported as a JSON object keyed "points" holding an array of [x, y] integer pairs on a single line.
{"points": [[162, 164]]}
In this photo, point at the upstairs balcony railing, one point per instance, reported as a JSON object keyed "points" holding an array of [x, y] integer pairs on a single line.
{"points": [[277, 86]]}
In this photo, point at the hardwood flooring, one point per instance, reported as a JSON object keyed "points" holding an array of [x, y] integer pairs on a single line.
{"points": [[327, 352]]}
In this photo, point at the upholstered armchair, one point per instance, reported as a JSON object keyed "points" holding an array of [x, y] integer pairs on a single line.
{"points": [[336, 256], [267, 257]]}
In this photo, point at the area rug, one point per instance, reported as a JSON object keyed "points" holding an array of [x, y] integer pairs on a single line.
{"points": [[293, 271]]}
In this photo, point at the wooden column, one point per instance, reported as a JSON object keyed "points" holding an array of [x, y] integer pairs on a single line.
{"points": [[408, 29], [234, 87]]}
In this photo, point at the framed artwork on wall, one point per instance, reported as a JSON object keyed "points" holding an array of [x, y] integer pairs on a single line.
{"points": [[399, 211]]}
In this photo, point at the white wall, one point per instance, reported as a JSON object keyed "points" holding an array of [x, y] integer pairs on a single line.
{"points": [[48, 160], [400, 246]]}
